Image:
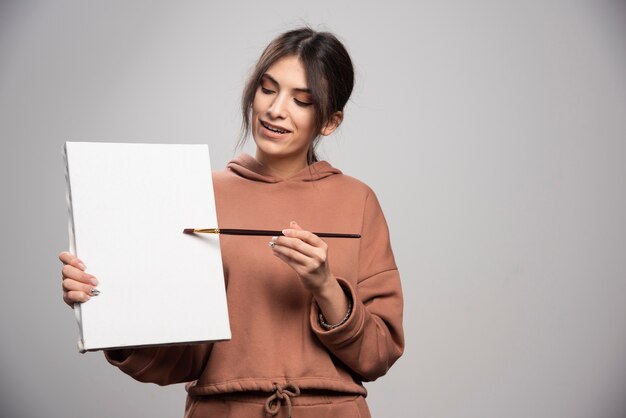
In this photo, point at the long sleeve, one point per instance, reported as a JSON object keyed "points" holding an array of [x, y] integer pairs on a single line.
{"points": [[162, 365], [276, 335], [372, 338]]}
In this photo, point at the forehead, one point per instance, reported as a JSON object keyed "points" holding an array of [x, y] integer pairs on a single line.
{"points": [[288, 72]]}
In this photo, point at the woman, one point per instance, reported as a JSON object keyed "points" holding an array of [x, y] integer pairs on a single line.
{"points": [[310, 319]]}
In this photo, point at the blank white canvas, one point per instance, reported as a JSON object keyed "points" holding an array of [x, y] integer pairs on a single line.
{"points": [[129, 204]]}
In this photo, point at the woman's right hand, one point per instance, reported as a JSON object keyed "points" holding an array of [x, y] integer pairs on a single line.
{"points": [[78, 286]]}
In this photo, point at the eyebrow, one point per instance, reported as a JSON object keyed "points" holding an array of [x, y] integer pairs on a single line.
{"points": [[273, 80]]}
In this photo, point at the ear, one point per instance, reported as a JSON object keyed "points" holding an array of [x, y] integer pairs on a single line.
{"points": [[333, 123]]}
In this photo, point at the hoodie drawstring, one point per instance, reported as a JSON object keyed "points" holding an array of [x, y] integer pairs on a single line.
{"points": [[281, 393]]}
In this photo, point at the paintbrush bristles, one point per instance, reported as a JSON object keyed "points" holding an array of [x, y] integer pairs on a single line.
{"points": [[201, 231]]}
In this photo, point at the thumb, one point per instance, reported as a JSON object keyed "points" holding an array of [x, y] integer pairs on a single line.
{"points": [[294, 225]]}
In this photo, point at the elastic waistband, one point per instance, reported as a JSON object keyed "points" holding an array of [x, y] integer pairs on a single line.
{"points": [[306, 397]]}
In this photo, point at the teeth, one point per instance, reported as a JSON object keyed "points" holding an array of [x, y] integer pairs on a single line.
{"points": [[280, 131]]}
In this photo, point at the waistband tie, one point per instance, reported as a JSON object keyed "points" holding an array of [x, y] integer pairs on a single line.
{"points": [[281, 393]]}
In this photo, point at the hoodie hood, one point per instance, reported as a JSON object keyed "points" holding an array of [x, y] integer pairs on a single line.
{"points": [[248, 167]]}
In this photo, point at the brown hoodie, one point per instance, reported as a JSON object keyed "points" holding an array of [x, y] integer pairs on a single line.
{"points": [[276, 336]]}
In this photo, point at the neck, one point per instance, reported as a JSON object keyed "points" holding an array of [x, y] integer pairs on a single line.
{"points": [[284, 167]]}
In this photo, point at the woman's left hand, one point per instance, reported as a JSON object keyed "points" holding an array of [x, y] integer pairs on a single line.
{"points": [[307, 254]]}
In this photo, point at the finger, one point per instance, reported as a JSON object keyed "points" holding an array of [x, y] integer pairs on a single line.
{"points": [[291, 256], [74, 273], [299, 268], [294, 225], [309, 260], [73, 285], [306, 236], [70, 259], [301, 252], [75, 296], [318, 251]]}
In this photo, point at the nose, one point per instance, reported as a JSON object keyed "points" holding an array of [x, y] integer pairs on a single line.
{"points": [[278, 107]]}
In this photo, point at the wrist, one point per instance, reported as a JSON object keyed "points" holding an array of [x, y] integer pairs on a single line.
{"points": [[328, 290], [328, 326], [333, 302]]}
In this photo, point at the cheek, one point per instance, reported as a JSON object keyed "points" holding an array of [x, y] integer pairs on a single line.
{"points": [[256, 105], [305, 119], [260, 102]]}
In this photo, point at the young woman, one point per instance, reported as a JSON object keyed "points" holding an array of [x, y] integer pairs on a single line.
{"points": [[311, 319]]}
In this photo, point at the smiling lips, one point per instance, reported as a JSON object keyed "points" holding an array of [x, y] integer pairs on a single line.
{"points": [[273, 128]]}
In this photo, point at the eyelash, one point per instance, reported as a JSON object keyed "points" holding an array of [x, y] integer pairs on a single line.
{"points": [[266, 91], [301, 103], [298, 102]]}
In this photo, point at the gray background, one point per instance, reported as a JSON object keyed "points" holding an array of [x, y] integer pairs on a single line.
{"points": [[492, 131]]}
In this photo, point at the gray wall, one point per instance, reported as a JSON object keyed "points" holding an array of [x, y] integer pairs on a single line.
{"points": [[493, 132]]}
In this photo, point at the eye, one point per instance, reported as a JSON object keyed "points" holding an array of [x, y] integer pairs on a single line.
{"points": [[303, 99], [302, 103], [266, 88]]}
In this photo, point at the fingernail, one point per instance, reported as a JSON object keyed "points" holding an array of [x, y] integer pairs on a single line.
{"points": [[286, 232], [94, 281], [94, 292], [81, 265], [272, 244]]}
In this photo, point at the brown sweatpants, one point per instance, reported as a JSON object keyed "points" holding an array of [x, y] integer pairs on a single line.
{"points": [[253, 406]]}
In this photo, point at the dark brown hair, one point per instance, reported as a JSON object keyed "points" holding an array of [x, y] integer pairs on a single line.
{"points": [[329, 73]]}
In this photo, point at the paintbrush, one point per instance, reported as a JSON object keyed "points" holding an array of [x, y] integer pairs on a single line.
{"points": [[261, 232]]}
